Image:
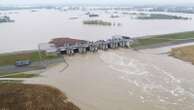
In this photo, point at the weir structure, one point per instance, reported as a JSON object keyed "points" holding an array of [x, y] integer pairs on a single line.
{"points": [[69, 46]]}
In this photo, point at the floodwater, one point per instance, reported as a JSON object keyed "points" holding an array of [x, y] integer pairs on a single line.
{"points": [[31, 28], [124, 80], [121, 79]]}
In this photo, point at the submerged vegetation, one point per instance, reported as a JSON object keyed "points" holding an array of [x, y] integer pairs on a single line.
{"points": [[97, 22], [160, 40], [178, 9], [161, 16], [185, 53], [5, 19]]}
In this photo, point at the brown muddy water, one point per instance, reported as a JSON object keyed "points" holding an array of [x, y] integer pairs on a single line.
{"points": [[109, 80], [124, 80]]}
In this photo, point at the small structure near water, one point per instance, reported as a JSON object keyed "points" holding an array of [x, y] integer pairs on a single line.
{"points": [[71, 46]]}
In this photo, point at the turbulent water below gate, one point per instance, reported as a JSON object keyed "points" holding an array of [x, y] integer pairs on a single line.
{"points": [[158, 86], [31, 28], [124, 80]]}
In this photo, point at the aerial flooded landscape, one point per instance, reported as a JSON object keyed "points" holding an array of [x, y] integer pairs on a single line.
{"points": [[73, 22], [96, 57]]}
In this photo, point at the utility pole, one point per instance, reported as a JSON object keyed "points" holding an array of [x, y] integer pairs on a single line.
{"points": [[40, 57]]}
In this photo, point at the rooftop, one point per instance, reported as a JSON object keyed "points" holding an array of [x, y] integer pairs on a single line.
{"points": [[60, 42]]}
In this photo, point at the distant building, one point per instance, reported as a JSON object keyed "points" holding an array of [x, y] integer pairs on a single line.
{"points": [[70, 46]]}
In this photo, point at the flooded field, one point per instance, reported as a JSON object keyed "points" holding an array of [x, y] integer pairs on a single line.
{"points": [[124, 80], [31, 28]]}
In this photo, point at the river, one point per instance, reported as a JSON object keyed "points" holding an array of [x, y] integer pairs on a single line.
{"points": [[124, 79]]}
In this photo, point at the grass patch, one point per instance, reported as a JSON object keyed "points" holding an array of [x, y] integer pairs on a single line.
{"points": [[20, 75], [10, 81], [11, 58], [185, 53], [33, 97], [3, 74], [160, 39]]}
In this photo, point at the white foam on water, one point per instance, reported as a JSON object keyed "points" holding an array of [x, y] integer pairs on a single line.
{"points": [[122, 64], [141, 97], [160, 85]]}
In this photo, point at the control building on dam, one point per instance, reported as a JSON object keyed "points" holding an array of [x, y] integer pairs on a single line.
{"points": [[69, 46]]}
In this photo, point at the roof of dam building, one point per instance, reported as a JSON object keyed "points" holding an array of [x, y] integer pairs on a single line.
{"points": [[63, 44], [60, 42]]}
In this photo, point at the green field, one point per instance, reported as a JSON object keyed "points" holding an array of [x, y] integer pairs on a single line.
{"points": [[11, 58], [148, 41]]}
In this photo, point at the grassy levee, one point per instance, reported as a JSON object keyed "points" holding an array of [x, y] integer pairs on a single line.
{"points": [[185, 53], [18, 75], [11, 58], [33, 97], [162, 40], [10, 82]]}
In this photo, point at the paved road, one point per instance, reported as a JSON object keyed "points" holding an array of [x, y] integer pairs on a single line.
{"points": [[33, 66]]}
